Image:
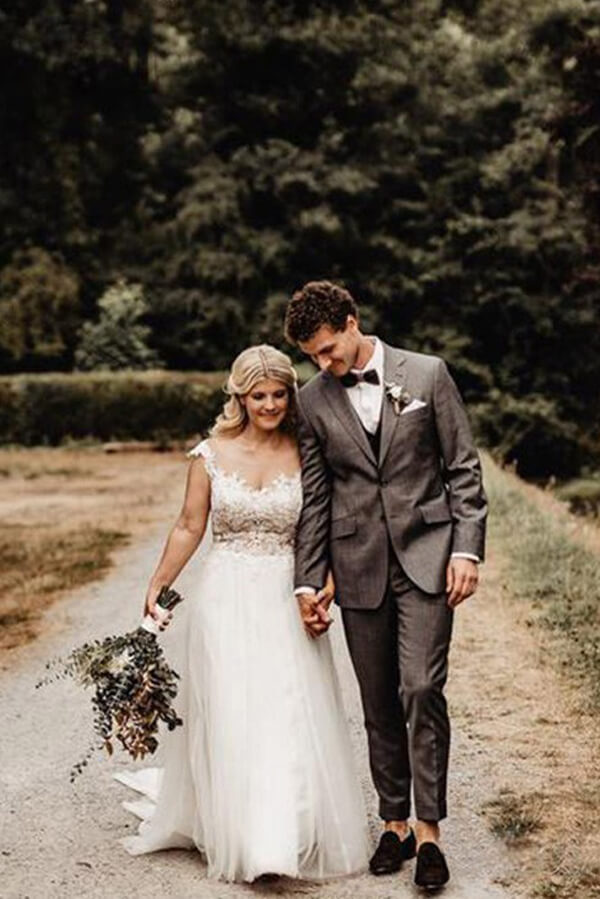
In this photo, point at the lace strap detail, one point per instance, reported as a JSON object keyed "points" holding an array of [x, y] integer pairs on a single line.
{"points": [[205, 450]]}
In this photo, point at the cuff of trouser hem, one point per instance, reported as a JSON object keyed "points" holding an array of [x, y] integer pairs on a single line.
{"points": [[432, 814], [397, 813]]}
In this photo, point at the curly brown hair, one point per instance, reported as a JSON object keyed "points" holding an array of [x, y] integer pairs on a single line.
{"points": [[318, 303]]}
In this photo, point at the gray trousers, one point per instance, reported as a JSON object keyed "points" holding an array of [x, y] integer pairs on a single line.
{"points": [[400, 655]]}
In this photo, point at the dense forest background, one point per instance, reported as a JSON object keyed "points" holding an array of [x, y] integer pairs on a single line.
{"points": [[170, 171]]}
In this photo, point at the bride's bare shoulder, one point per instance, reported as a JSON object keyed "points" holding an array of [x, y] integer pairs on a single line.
{"points": [[226, 447]]}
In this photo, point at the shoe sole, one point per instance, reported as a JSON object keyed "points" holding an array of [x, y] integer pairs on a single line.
{"points": [[394, 870], [430, 888]]}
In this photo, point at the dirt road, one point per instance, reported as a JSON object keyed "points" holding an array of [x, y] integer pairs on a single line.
{"points": [[59, 840]]}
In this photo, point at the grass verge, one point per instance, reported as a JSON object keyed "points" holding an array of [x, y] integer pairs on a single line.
{"points": [[578, 882], [553, 571]]}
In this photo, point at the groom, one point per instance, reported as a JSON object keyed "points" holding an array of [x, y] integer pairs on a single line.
{"points": [[393, 502]]}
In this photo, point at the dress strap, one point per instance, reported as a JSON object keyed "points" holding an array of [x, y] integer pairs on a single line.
{"points": [[205, 450]]}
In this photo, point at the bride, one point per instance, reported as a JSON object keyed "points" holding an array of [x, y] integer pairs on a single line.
{"points": [[260, 778]]}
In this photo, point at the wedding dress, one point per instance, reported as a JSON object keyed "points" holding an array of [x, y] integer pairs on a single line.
{"points": [[260, 778]]}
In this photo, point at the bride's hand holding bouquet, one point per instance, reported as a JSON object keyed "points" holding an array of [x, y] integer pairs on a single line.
{"points": [[133, 682], [155, 616]]}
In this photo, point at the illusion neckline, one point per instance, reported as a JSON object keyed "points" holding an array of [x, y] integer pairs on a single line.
{"points": [[243, 482]]}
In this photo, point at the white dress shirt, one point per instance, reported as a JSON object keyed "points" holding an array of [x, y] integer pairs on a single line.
{"points": [[366, 400]]}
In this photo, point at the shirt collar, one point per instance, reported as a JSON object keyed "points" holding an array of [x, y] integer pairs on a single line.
{"points": [[376, 360]]}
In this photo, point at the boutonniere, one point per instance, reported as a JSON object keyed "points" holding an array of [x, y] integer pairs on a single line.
{"points": [[398, 394]]}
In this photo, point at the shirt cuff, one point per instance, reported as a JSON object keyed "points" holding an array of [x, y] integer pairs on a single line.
{"points": [[300, 590], [470, 556]]}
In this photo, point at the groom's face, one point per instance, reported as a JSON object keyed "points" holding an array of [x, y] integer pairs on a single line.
{"points": [[334, 351]]}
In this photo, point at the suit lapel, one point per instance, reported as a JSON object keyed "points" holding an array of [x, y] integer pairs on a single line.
{"points": [[342, 408], [393, 361]]}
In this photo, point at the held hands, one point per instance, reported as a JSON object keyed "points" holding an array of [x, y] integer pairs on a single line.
{"points": [[462, 577], [314, 608]]}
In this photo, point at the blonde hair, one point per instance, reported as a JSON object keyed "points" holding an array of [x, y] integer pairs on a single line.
{"points": [[252, 365]]}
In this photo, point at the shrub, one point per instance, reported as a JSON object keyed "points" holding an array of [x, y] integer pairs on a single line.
{"points": [[51, 408], [530, 434], [582, 495]]}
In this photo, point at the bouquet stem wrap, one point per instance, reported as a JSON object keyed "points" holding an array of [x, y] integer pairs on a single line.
{"points": [[166, 601]]}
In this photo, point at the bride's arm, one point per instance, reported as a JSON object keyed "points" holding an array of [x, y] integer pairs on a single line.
{"points": [[185, 535]]}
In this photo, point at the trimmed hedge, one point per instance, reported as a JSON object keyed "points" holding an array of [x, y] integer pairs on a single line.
{"points": [[150, 405]]}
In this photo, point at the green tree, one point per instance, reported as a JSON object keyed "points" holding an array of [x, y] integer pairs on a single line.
{"points": [[76, 100], [406, 149], [39, 311], [119, 339], [439, 157]]}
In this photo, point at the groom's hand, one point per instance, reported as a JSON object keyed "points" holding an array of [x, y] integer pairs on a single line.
{"points": [[462, 577], [326, 595]]}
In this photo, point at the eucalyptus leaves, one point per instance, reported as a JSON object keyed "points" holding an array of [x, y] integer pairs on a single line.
{"points": [[134, 687]]}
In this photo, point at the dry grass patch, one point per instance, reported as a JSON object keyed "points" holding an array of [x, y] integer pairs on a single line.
{"points": [[35, 567], [514, 818], [64, 512], [576, 881]]}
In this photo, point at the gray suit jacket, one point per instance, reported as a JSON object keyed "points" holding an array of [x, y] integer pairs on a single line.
{"points": [[423, 495]]}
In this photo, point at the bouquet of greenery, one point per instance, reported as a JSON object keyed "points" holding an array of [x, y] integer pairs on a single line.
{"points": [[134, 685]]}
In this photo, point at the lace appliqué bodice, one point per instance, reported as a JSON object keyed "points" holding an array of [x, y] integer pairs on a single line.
{"points": [[247, 519]]}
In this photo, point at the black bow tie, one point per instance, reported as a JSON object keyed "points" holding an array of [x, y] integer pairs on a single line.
{"points": [[352, 378]]}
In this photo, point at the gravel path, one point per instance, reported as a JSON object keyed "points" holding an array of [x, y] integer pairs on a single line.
{"points": [[58, 840]]}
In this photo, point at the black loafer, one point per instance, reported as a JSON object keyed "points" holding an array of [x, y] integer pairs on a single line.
{"points": [[432, 871], [391, 852]]}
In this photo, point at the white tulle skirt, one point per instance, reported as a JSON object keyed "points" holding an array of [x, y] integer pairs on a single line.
{"points": [[261, 776]]}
